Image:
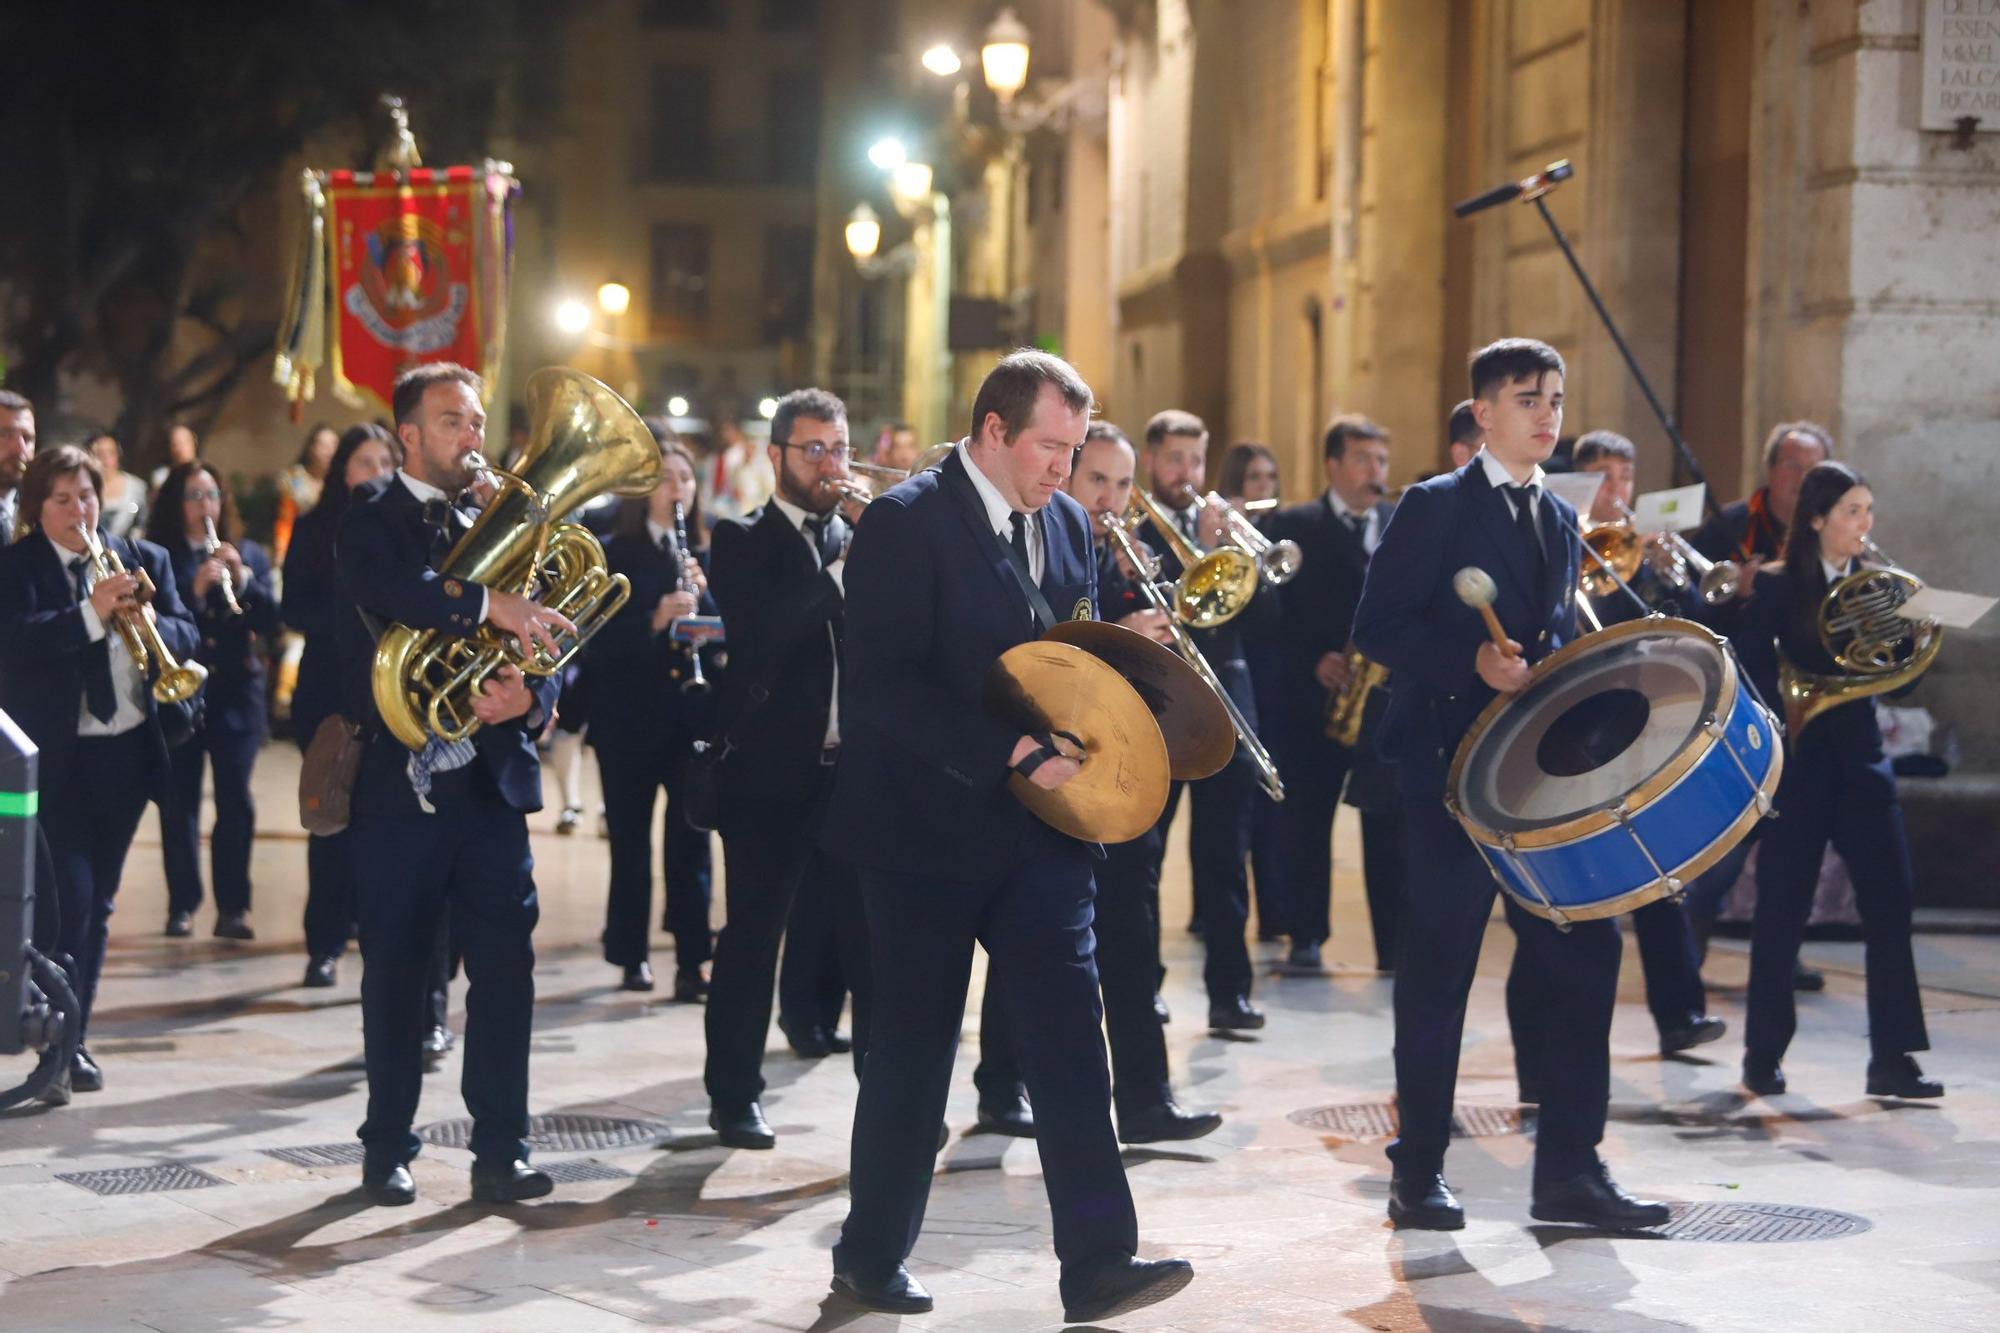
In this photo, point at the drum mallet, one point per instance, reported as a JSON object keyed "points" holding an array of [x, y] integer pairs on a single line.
{"points": [[1474, 587]]}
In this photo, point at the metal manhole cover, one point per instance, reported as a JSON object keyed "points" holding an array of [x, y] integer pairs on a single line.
{"points": [[1377, 1120], [1758, 1223], [559, 1133], [580, 1169], [140, 1179], [350, 1153]]}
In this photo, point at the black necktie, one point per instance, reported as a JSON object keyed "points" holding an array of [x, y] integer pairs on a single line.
{"points": [[1019, 522], [99, 695], [1358, 525], [1524, 519], [819, 527]]}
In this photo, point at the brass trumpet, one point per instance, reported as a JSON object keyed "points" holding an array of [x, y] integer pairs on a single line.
{"points": [[851, 491], [1346, 705], [210, 543], [175, 681], [1276, 561], [1213, 587], [1146, 568]]}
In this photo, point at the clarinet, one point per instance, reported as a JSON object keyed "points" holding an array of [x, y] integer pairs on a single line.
{"points": [[696, 683], [210, 543]]}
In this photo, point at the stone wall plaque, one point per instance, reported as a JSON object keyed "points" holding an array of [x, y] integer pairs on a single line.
{"points": [[1961, 50]]}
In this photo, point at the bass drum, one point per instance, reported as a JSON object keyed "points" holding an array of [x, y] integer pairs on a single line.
{"points": [[1633, 761]]}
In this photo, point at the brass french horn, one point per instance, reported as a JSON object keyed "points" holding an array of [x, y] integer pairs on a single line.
{"points": [[583, 440], [1863, 629]]}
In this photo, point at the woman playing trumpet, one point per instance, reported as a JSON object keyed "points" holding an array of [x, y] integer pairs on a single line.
{"points": [[69, 678]]}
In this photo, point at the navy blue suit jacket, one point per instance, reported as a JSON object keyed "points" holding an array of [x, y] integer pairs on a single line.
{"points": [[1849, 735], [931, 604], [1412, 621], [43, 641], [384, 557], [638, 672], [232, 647], [311, 605], [1319, 601]]}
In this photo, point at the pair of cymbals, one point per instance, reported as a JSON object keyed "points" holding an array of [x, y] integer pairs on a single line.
{"points": [[1141, 713]]}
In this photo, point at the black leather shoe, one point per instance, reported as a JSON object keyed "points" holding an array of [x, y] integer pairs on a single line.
{"points": [[1888, 1076], [1698, 1030], [180, 925], [807, 1040], [638, 977], [1807, 978], [508, 1182], [234, 926], [56, 1092], [321, 972], [1762, 1075], [1167, 1122], [1010, 1115], [837, 1041], [437, 1044], [1160, 1010], [1304, 957], [85, 1076], [1593, 1199], [898, 1293], [690, 986], [1424, 1203], [391, 1189], [1118, 1288], [742, 1126], [1235, 1014]]}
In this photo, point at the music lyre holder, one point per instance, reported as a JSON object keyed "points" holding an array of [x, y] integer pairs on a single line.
{"points": [[1534, 190]]}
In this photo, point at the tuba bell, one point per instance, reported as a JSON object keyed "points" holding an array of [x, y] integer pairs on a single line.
{"points": [[1862, 627], [583, 440]]}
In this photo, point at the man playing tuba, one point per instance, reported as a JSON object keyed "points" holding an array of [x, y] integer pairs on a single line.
{"points": [[443, 828]]}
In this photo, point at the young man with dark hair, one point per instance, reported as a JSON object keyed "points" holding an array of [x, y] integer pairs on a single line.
{"points": [[17, 449], [1337, 535], [1496, 514], [442, 833], [1220, 817], [778, 575], [950, 569]]}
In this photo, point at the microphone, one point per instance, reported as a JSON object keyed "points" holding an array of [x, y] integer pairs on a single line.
{"points": [[1532, 187]]}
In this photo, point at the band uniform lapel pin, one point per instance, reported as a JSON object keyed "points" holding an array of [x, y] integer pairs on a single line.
{"points": [[1081, 611]]}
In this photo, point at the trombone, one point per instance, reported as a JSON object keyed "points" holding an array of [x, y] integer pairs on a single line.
{"points": [[1276, 561], [1214, 587], [856, 492], [1146, 567], [176, 681]]}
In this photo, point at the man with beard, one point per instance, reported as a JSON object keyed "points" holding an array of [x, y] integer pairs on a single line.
{"points": [[17, 448]]}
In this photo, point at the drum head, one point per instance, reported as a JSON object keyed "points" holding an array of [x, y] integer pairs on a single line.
{"points": [[1603, 718], [1200, 738], [1119, 794]]}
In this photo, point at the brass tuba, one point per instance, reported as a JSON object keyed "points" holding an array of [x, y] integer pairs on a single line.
{"points": [[583, 440], [1876, 648]]}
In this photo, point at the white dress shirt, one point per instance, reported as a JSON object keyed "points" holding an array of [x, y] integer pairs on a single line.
{"points": [[838, 569], [128, 683], [1834, 573], [1503, 481], [10, 507], [1371, 522], [1000, 515]]}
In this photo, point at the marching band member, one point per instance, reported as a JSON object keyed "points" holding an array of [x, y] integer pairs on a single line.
{"points": [[1462, 435], [311, 600], [1250, 472], [647, 743], [1128, 882], [17, 447], [1337, 535], [69, 680], [1667, 950], [1837, 787], [777, 576], [1496, 514], [1219, 826], [950, 569], [441, 835], [229, 591]]}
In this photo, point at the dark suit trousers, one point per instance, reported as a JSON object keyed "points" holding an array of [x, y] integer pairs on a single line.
{"points": [[812, 986], [1672, 966], [1314, 771], [1036, 925], [329, 895], [469, 864], [231, 755], [91, 823], [1448, 902], [632, 780], [769, 848], [1856, 809], [1382, 869], [1218, 854], [1128, 969]]}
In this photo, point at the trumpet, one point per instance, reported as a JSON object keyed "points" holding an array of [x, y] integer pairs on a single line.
{"points": [[1146, 567], [696, 683], [210, 543], [1276, 561], [1715, 580], [1346, 705], [856, 492], [175, 681], [1214, 587]]}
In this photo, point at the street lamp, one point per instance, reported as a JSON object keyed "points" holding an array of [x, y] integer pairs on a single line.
{"points": [[614, 298], [864, 232], [677, 406], [1004, 57], [888, 153], [942, 61], [910, 186], [573, 317], [767, 408]]}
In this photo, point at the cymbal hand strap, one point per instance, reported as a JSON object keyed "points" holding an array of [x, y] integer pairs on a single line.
{"points": [[1047, 750]]}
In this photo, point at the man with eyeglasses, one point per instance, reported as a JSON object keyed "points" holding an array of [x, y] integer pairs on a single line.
{"points": [[776, 575]]}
